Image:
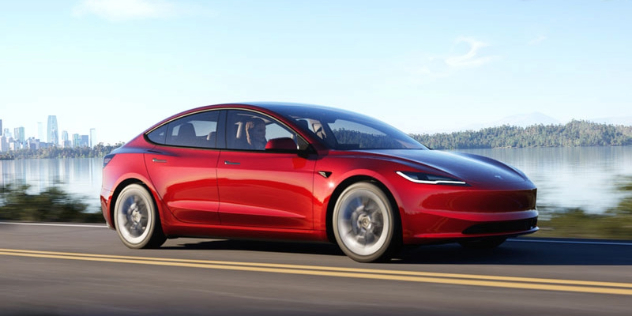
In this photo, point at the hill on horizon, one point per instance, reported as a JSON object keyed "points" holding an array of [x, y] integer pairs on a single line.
{"points": [[572, 134]]}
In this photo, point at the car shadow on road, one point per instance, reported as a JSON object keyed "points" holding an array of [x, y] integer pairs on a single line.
{"points": [[513, 252], [521, 252], [263, 246]]}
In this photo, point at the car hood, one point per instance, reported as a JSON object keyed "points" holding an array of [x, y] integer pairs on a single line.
{"points": [[467, 167]]}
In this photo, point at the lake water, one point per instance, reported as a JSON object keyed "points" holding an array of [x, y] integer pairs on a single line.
{"points": [[79, 176], [583, 177]]}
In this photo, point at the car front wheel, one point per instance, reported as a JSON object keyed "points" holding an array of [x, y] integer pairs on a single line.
{"points": [[364, 224], [136, 219]]}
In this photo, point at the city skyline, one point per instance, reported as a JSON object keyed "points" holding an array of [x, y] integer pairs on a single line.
{"points": [[20, 134]]}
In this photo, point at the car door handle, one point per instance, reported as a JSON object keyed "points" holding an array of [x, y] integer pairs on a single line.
{"points": [[226, 162], [159, 160]]}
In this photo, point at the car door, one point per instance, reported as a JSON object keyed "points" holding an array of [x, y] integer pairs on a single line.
{"points": [[182, 166], [260, 188]]}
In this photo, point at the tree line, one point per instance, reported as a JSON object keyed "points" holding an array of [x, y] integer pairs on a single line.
{"points": [[99, 150], [51, 205], [615, 223], [573, 134]]}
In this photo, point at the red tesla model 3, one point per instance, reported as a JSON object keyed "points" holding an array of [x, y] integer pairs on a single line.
{"points": [[306, 172]]}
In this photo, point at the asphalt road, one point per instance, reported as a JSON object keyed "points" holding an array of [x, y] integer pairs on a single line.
{"points": [[86, 270]]}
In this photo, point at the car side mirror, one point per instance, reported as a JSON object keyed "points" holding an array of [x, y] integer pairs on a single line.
{"points": [[283, 144]]}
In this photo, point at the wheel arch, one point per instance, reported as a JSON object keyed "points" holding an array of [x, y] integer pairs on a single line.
{"points": [[350, 181], [119, 189]]}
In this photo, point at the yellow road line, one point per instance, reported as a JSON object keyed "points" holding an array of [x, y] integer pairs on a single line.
{"points": [[341, 269], [408, 276]]}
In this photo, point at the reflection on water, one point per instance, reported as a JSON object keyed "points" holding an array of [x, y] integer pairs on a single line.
{"points": [[566, 177], [79, 176]]}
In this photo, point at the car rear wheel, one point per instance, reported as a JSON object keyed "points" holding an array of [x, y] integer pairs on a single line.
{"points": [[136, 219], [364, 223], [483, 243]]}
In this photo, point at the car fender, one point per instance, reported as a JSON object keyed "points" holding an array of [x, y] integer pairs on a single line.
{"points": [[344, 171], [119, 176]]}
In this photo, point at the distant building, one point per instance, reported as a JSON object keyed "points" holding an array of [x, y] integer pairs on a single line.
{"points": [[65, 141], [6, 133], [76, 140], [32, 143], [4, 143], [85, 141], [0, 127], [16, 145], [52, 131], [93, 137], [19, 135]]}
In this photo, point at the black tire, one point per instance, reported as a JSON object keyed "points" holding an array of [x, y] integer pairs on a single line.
{"points": [[483, 243], [364, 224], [136, 219]]}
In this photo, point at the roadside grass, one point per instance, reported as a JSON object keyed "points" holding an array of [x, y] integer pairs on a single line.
{"points": [[615, 223], [576, 223], [51, 205]]}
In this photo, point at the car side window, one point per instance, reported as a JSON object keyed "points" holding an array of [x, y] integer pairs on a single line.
{"points": [[158, 135], [246, 130], [197, 130]]}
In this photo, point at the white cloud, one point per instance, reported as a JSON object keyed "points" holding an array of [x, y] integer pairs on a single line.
{"points": [[472, 58], [537, 40], [117, 10], [438, 67]]}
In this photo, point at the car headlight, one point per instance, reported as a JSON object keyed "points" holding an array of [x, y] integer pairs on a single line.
{"points": [[426, 178]]}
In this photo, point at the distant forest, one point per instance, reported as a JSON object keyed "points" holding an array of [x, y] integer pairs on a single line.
{"points": [[572, 134]]}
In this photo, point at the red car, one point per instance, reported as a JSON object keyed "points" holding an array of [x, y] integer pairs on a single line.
{"points": [[305, 172]]}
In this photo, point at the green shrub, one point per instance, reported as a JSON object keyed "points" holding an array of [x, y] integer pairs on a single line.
{"points": [[51, 205]]}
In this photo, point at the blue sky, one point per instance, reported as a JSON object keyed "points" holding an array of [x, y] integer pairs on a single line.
{"points": [[121, 65]]}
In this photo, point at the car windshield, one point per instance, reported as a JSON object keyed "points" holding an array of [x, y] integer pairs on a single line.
{"points": [[345, 130]]}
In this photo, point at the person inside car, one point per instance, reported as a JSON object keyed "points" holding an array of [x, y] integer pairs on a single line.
{"points": [[256, 134]]}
